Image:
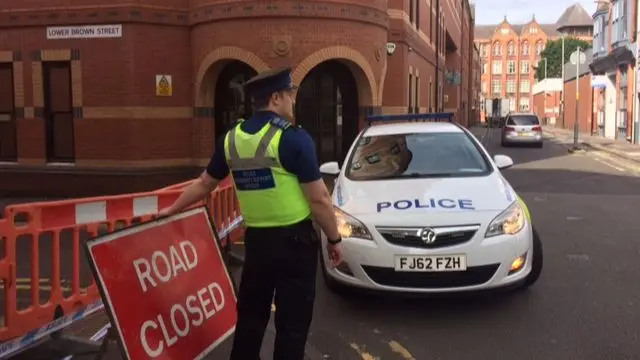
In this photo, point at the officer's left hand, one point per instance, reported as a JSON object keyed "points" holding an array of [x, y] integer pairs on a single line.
{"points": [[335, 254]]}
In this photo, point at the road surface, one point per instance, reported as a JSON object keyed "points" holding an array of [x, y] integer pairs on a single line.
{"points": [[585, 306]]}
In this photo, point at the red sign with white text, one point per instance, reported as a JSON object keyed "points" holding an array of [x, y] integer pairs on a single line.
{"points": [[166, 286]]}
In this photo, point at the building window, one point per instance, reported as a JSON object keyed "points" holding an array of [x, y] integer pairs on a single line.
{"points": [[485, 68], [417, 94], [497, 49], [533, 30], [524, 104], [512, 104], [483, 48], [524, 48], [496, 67], [484, 88], [496, 86], [619, 22], [539, 47], [622, 106], [432, 24], [511, 86], [524, 66], [410, 93], [511, 67], [525, 86], [412, 12], [511, 49]]}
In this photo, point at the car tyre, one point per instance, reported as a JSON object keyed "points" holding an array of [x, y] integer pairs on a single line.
{"points": [[540, 145], [536, 261]]}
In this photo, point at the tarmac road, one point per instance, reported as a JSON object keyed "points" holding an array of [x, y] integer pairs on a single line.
{"points": [[585, 306]]}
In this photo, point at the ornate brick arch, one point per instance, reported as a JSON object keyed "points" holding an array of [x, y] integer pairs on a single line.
{"points": [[360, 68], [211, 66]]}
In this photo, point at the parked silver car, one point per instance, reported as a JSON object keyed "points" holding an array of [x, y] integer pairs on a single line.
{"points": [[522, 128]]}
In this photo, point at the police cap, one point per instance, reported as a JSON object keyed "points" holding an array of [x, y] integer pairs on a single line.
{"points": [[270, 81]]}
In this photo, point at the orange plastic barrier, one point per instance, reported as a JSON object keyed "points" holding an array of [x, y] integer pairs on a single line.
{"points": [[42, 266]]}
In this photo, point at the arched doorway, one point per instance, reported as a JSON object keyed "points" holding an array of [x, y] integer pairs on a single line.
{"points": [[230, 101], [327, 108]]}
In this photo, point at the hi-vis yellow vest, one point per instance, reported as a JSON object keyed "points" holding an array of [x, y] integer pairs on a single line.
{"points": [[269, 195]]}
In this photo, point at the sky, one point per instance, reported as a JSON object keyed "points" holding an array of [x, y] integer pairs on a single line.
{"points": [[521, 11]]}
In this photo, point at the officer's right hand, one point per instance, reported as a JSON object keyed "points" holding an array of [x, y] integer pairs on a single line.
{"points": [[335, 254]]}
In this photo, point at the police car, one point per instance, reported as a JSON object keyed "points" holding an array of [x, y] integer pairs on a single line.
{"points": [[422, 207]]}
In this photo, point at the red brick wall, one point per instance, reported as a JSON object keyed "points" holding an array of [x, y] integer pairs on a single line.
{"points": [[552, 102], [124, 119], [585, 109]]}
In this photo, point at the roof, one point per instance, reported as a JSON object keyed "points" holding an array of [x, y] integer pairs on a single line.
{"points": [[486, 31], [574, 16], [570, 69], [412, 127]]}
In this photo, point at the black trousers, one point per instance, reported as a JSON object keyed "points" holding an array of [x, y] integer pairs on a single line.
{"points": [[282, 260]]}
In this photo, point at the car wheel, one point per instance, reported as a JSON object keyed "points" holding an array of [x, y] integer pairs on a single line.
{"points": [[540, 144], [536, 261], [503, 143]]}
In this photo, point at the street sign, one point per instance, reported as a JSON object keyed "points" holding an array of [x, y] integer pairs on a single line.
{"points": [[84, 32], [165, 287], [574, 57]]}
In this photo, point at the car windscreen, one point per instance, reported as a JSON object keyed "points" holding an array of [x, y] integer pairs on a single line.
{"points": [[416, 155], [523, 120]]}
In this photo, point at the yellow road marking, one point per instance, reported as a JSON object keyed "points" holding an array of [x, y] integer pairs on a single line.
{"points": [[363, 354], [399, 349]]}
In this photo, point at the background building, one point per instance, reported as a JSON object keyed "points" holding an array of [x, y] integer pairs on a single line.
{"points": [[615, 45], [511, 52], [100, 99]]}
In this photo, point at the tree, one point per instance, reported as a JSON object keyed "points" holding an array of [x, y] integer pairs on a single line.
{"points": [[553, 53]]}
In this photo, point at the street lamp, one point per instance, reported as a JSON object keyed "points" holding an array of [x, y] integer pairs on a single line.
{"points": [[578, 58], [562, 91], [545, 66], [544, 105]]}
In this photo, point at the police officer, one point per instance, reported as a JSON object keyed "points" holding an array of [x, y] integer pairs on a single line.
{"points": [[280, 189]]}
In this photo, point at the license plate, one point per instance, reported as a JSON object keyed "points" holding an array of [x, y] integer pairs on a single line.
{"points": [[525, 134], [430, 263]]}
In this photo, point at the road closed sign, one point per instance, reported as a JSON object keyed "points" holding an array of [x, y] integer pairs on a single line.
{"points": [[165, 286]]}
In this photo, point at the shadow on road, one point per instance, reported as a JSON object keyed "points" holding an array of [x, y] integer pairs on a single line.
{"points": [[571, 182], [441, 309]]}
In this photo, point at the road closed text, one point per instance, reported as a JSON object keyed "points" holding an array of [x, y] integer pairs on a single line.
{"points": [[171, 324]]}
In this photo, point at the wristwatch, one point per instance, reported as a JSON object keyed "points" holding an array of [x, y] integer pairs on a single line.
{"points": [[335, 242]]}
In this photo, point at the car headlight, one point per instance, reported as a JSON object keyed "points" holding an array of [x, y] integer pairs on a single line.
{"points": [[509, 222], [350, 227]]}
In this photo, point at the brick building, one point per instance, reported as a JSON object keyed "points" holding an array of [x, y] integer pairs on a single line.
{"points": [[511, 52], [579, 96], [546, 99], [615, 45], [116, 98]]}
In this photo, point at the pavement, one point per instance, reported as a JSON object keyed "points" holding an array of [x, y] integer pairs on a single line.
{"points": [[585, 306], [617, 148]]}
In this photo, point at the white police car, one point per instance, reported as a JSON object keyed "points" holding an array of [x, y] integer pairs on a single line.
{"points": [[422, 207]]}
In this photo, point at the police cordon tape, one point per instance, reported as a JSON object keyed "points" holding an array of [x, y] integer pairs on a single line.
{"points": [[20, 344], [32, 337]]}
